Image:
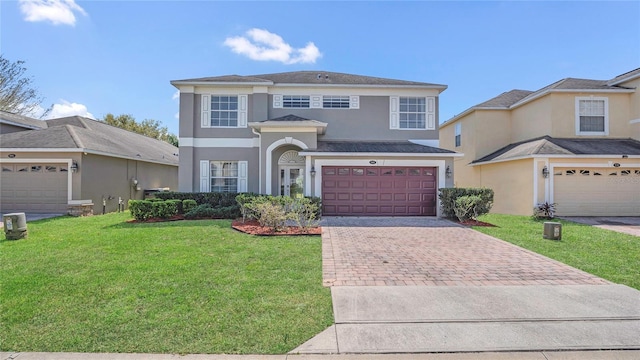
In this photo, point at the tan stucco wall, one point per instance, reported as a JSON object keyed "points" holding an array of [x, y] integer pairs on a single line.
{"points": [[531, 120], [512, 183], [110, 178]]}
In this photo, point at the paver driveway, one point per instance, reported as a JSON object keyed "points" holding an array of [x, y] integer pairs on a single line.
{"points": [[428, 251]]}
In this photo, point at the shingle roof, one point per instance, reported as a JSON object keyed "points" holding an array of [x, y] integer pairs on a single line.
{"points": [[505, 99], [547, 145], [317, 77], [83, 133], [629, 75], [289, 117], [27, 122], [377, 147]]}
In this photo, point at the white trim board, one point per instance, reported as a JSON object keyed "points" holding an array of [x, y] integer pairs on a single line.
{"points": [[219, 142], [85, 151], [377, 154]]}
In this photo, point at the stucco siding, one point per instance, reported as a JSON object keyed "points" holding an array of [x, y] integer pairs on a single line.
{"points": [[512, 183], [532, 120], [564, 114], [109, 178], [216, 132], [229, 154], [187, 115], [369, 122]]}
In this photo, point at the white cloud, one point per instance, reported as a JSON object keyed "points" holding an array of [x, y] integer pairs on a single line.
{"points": [[58, 12], [176, 95], [262, 45], [177, 115], [69, 109]]}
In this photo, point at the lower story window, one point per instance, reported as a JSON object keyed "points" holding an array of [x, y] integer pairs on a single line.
{"points": [[224, 176]]}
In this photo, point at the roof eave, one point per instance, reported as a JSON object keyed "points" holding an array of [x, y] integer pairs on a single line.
{"points": [[177, 83], [546, 92], [372, 154], [469, 111]]}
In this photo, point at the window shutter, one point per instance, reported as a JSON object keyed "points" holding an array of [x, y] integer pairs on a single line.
{"points": [[394, 102], [206, 112], [242, 110], [431, 113], [277, 101], [354, 102], [316, 102], [205, 177], [242, 176]]}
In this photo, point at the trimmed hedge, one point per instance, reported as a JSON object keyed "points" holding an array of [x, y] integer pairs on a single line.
{"points": [[141, 210], [211, 198], [448, 197], [208, 212]]}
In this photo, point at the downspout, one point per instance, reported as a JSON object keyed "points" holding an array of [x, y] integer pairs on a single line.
{"points": [[253, 130]]}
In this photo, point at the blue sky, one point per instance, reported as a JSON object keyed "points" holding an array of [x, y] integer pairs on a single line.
{"points": [[99, 57]]}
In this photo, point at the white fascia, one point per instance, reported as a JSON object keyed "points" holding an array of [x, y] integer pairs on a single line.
{"points": [[85, 151], [551, 156]]}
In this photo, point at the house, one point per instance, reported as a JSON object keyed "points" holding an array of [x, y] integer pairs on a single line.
{"points": [[78, 165], [575, 143], [365, 145]]}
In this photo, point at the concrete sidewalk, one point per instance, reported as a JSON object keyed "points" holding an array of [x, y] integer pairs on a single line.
{"points": [[546, 355], [623, 224], [423, 319]]}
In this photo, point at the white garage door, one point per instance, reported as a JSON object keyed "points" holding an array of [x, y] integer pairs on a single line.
{"points": [[38, 188], [597, 191]]}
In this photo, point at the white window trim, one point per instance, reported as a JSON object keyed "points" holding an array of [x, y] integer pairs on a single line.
{"points": [[243, 105], [430, 113], [606, 116]]}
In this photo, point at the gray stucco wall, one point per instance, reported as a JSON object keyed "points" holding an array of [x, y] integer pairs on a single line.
{"points": [[370, 122], [110, 178], [200, 132], [230, 154]]}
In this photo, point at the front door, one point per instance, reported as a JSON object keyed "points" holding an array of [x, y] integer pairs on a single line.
{"points": [[292, 181]]}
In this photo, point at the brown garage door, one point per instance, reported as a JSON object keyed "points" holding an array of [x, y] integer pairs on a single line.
{"points": [[370, 191], [40, 188]]}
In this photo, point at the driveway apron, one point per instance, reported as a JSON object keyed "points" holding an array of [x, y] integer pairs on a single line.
{"points": [[430, 285]]}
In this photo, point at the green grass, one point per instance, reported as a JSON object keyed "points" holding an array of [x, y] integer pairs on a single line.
{"points": [[607, 254], [99, 284]]}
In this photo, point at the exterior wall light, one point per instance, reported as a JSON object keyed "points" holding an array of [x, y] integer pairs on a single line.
{"points": [[313, 171], [545, 172], [74, 166], [447, 172]]}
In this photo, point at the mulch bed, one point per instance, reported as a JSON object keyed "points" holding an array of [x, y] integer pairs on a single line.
{"points": [[254, 228], [470, 223]]}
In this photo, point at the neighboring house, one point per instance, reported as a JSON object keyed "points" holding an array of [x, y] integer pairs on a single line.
{"points": [[74, 164], [574, 143], [365, 145]]}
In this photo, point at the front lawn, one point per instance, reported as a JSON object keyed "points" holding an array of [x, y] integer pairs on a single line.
{"points": [[607, 254], [99, 284]]}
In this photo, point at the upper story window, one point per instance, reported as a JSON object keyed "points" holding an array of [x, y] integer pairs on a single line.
{"points": [[412, 113], [458, 134], [592, 116], [335, 102], [316, 101], [224, 111], [295, 101]]}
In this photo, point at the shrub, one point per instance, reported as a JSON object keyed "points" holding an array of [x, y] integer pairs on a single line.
{"points": [[188, 205], [448, 198], [544, 211], [211, 198], [207, 211], [163, 209], [141, 210], [177, 204], [270, 213], [304, 212], [243, 200], [465, 207]]}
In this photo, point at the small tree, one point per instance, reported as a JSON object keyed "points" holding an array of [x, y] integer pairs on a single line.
{"points": [[17, 94]]}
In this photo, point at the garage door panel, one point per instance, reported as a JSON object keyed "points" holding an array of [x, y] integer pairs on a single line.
{"points": [[583, 191], [401, 191], [34, 187]]}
